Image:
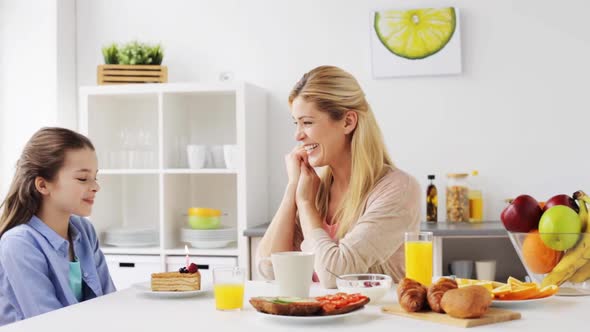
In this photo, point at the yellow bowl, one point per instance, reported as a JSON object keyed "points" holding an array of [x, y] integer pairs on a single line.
{"points": [[204, 212]]}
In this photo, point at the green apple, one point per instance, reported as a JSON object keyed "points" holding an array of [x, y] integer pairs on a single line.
{"points": [[560, 227]]}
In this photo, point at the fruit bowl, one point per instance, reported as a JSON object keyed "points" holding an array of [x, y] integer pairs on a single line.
{"points": [[373, 286], [568, 268]]}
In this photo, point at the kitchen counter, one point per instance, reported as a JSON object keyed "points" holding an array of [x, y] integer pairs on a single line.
{"points": [[443, 229], [455, 237], [130, 310]]}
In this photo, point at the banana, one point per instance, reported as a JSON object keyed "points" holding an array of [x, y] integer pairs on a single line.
{"points": [[581, 275], [576, 257], [582, 199], [582, 195], [569, 264]]}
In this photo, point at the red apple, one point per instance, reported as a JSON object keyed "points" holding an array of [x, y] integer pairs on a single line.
{"points": [[561, 200], [522, 215]]}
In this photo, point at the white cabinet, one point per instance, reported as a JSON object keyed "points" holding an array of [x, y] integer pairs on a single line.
{"points": [[141, 133], [126, 270]]}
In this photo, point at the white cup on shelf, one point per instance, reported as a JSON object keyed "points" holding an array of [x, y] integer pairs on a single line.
{"points": [[485, 270], [216, 157], [197, 156], [230, 155]]}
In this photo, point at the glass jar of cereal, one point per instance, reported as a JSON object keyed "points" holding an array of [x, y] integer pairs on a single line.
{"points": [[457, 197]]}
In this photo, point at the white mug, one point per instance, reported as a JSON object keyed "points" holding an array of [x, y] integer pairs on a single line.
{"points": [[461, 269], [485, 270], [294, 272]]}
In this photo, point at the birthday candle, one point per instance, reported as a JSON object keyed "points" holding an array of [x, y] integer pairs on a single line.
{"points": [[186, 251]]}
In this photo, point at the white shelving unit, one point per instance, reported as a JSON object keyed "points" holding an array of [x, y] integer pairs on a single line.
{"points": [[140, 133]]}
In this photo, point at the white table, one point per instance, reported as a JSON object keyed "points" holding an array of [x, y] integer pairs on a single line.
{"points": [[129, 310]]}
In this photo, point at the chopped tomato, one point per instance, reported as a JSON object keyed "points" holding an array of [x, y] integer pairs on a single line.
{"points": [[339, 300], [328, 307]]}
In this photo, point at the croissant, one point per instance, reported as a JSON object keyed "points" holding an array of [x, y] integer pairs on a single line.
{"points": [[411, 295], [436, 292]]}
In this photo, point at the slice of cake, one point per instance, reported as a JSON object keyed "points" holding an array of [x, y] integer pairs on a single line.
{"points": [[181, 281]]}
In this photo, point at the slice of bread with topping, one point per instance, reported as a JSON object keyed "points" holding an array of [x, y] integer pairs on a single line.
{"points": [[287, 306]]}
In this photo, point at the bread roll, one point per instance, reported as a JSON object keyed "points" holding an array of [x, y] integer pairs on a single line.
{"points": [[436, 292], [467, 302]]}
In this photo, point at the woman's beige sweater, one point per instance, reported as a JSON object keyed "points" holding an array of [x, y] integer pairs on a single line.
{"points": [[375, 243]]}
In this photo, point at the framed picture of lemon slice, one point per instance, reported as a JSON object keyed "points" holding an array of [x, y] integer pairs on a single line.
{"points": [[413, 42]]}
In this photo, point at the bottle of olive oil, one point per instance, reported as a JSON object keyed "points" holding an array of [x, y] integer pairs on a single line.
{"points": [[431, 201]]}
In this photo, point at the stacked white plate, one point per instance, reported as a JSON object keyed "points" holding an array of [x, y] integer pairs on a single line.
{"points": [[208, 238], [131, 237]]}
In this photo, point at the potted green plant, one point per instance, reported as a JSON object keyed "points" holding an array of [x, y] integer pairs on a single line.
{"points": [[133, 62]]}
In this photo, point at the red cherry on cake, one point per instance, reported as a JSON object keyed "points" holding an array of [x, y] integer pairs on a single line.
{"points": [[193, 268]]}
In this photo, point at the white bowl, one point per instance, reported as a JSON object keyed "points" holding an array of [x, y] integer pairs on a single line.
{"points": [[374, 286]]}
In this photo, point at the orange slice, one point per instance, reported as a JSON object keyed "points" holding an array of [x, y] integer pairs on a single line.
{"points": [[517, 283], [502, 290], [514, 281], [521, 293], [546, 292], [465, 282], [497, 284]]}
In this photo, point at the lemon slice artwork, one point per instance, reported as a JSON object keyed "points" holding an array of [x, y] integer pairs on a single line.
{"points": [[417, 33]]}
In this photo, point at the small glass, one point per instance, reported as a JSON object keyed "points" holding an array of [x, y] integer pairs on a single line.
{"points": [[418, 254], [228, 287]]}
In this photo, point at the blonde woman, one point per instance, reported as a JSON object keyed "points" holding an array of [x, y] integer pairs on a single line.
{"points": [[352, 215]]}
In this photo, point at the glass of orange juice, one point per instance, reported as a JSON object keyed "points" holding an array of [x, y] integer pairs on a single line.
{"points": [[418, 252], [228, 287]]}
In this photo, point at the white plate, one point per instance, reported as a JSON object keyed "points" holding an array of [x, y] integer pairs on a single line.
{"points": [[570, 291], [131, 244], [210, 244], [307, 319], [145, 288], [513, 303]]}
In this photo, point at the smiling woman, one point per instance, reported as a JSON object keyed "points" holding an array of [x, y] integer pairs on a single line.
{"points": [[353, 214], [49, 253]]}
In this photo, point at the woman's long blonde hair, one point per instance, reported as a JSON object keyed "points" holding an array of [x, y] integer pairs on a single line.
{"points": [[43, 155], [335, 91]]}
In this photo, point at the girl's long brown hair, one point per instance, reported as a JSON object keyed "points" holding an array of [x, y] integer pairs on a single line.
{"points": [[43, 156]]}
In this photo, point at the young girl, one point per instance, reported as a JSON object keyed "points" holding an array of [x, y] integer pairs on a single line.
{"points": [[352, 215], [49, 253]]}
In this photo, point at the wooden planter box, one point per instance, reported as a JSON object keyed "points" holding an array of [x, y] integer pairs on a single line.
{"points": [[126, 74]]}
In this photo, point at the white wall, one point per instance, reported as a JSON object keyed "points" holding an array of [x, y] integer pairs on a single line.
{"points": [[2, 45], [38, 73], [514, 114]]}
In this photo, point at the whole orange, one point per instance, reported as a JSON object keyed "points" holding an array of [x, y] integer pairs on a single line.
{"points": [[538, 257]]}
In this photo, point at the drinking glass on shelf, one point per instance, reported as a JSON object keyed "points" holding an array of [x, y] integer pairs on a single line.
{"points": [[230, 156], [228, 287], [216, 159], [197, 155], [418, 254]]}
